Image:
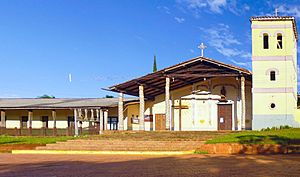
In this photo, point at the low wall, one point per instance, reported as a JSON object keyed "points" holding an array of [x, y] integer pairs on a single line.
{"points": [[235, 148]]}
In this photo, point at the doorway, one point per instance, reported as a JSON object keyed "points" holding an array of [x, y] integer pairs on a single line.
{"points": [[160, 122], [224, 117]]}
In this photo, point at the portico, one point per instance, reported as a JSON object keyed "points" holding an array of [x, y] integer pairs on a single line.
{"points": [[161, 96], [57, 116]]}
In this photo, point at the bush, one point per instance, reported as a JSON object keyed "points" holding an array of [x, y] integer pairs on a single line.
{"points": [[281, 127]]}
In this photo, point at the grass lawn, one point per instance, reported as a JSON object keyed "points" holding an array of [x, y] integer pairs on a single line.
{"points": [[285, 136], [31, 140]]}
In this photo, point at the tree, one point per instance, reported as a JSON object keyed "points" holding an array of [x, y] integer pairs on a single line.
{"points": [[154, 64], [109, 96], [46, 96]]}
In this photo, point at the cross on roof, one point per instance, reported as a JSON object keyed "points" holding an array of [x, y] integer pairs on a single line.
{"points": [[202, 47], [276, 12]]}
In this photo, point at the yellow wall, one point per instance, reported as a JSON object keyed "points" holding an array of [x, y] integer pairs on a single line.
{"points": [[232, 86], [283, 91], [13, 117]]}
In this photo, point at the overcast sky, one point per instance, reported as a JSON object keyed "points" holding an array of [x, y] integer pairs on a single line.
{"points": [[105, 42]]}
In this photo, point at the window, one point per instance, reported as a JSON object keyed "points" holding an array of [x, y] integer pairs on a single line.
{"points": [[272, 105], [71, 121], [272, 75], [24, 120], [44, 120], [279, 41], [266, 41]]}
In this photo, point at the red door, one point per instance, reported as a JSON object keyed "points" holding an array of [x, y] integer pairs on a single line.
{"points": [[224, 117]]}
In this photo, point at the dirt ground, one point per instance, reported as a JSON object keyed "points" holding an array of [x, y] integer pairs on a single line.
{"points": [[129, 165]]}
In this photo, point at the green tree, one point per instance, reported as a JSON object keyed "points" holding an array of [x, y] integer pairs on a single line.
{"points": [[154, 64], [46, 96], [109, 96]]}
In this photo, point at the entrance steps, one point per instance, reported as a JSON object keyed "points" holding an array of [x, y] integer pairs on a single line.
{"points": [[122, 145]]}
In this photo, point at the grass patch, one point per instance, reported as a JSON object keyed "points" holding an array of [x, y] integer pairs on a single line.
{"points": [[32, 140], [285, 136], [200, 152]]}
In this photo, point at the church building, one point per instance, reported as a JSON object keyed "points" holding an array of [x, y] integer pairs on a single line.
{"points": [[205, 94]]}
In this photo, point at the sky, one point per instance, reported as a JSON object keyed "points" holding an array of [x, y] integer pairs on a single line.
{"points": [[106, 42]]}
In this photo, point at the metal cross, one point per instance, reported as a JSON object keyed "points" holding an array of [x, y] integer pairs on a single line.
{"points": [[276, 12], [202, 47]]}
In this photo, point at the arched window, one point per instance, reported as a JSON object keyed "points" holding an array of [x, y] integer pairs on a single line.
{"points": [[266, 41], [272, 75], [279, 41]]}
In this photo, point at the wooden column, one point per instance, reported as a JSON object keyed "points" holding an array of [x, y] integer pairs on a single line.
{"points": [[101, 121], [75, 122], [54, 122], [30, 118], [167, 103], [243, 100], [120, 112], [180, 114], [54, 118], [105, 119], [3, 122], [142, 107]]}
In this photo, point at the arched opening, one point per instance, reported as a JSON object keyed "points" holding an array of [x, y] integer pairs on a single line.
{"points": [[272, 75], [279, 41], [266, 41]]}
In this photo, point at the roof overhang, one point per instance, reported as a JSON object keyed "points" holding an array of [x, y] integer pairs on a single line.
{"points": [[183, 74]]}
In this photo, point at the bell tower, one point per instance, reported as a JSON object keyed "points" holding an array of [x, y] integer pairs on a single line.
{"points": [[274, 66]]}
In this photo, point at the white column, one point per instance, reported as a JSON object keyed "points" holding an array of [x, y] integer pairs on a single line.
{"points": [[92, 115], [3, 123], [75, 122], [85, 114], [54, 118], [101, 121], [167, 103], [142, 107], [243, 99], [97, 114], [30, 117], [120, 112], [105, 119]]}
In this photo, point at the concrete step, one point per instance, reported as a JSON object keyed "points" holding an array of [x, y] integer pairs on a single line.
{"points": [[119, 145]]}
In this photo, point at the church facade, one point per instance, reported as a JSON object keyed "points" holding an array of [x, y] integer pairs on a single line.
{"points": [[197, 95]]}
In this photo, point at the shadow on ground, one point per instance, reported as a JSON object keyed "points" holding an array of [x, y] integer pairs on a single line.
{"points": [[113, 166]]}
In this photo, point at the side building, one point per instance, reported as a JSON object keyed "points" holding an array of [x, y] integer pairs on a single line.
{"points": [[29, 116]]}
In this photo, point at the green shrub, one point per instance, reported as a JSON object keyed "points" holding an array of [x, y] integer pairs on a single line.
{"points": [[200, 152], [281, 127]]}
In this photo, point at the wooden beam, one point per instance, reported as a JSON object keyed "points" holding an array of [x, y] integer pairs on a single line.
{"points": [[202, 75], [3, 122]]}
